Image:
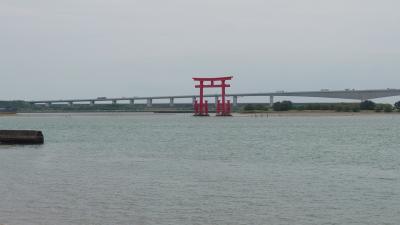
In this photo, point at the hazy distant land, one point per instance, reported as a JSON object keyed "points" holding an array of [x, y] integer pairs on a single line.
{"points": [[279, 108]]}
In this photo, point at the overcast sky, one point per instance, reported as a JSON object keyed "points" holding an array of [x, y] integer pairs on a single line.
{"points": [[53, 49]]}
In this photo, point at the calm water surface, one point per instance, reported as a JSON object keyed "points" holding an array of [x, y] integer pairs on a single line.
{"points": [[180, 170]]}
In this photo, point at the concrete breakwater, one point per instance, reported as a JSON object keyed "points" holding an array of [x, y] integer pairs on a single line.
{"points": [[21, 137]]}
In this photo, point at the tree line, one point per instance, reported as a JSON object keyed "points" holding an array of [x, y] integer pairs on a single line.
{"points": [[338, 107]]}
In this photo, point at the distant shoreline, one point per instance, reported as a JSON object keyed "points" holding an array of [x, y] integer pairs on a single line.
{"points": [[316, 113], [313, 113]]}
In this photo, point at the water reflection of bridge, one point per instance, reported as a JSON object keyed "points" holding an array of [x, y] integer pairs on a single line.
{"points": [[337, 94]]}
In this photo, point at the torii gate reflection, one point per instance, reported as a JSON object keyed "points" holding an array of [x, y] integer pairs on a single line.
{"points": [[223, 107]]}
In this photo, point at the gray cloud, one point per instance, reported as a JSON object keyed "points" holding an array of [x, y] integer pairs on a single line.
{"points": [[89, 48]]}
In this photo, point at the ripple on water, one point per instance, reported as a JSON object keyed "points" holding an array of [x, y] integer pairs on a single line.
{"points": [[176, 169]]}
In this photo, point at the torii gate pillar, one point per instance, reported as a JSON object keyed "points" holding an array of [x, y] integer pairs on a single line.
{"points": [[201, 106]]}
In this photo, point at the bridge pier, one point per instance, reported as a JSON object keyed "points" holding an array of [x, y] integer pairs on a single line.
{"points": [[149, 102], [171, 102], [132, 101], [235, 101], [271, 100]]}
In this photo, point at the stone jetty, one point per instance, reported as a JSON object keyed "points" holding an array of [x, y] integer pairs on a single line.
{"points": [[21, 137]]}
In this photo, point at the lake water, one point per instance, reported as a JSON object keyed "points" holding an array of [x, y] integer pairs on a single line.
{"points": [[149, 169]]}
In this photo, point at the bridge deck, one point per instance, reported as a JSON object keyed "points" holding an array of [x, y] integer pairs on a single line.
{"points": [[339, 94]]}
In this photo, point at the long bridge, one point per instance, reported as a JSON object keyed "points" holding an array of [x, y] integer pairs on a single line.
{"points": [[324, 93]]}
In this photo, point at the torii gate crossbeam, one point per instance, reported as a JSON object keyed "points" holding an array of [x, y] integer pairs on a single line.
{"points": [[223, 107]]}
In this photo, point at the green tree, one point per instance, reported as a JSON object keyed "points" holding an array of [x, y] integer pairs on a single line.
{"points": [[317, 106], [288, 105], [324, 107], [378, 108], [388, 108], [259, 107], [338, 108], [367, 105], [249, 107], [277, 106], [397, 105], [282, 106], [356, 109]]}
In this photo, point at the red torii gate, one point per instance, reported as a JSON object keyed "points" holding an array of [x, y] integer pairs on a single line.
{"points": [[223, 107]]}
